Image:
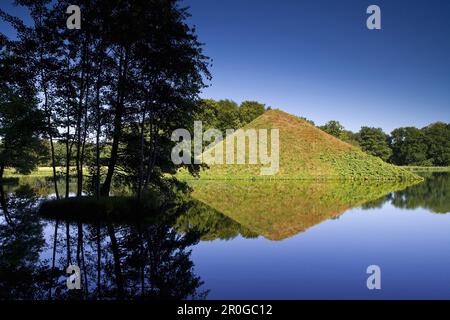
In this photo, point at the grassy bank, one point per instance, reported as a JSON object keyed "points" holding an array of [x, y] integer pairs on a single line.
{"points": [[427, 169], [39, 172]]}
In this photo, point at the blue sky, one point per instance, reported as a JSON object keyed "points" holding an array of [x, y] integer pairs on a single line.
{"points": [[317, 59]]}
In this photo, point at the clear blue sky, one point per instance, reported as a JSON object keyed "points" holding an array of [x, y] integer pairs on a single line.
{"points": [[317, 59]]}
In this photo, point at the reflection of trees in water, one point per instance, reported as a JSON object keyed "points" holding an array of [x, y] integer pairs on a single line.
{"points": [[211, 224], [432, 194], [21, 242], [145, 260], [377, 203]]}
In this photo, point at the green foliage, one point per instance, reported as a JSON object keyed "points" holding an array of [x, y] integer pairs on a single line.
{"points": [[438, 138], [357, 165], [409, 146], [20, 120], [209, 223], [429, 146], [119, 83], [250, 110], [350, 137], [334, 128], [375, 142], [227, 114], [337, 130], [427, 169], [20, 146], [432, 194]]}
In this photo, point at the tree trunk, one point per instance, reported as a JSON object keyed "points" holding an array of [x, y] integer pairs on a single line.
{"points": [[152, 153], [119, 112], [69, 258], [83, 148], [52, 273], [78, 131], [4, 204], [117, 266], [52, 147], [141, 153], [68, 153], [99, 263]]}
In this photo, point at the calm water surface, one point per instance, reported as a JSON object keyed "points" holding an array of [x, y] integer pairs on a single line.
{"points": [[257, 240]]}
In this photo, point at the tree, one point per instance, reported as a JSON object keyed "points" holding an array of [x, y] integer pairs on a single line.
{"points": [[228, 115], [304, 119], [160, 68], [20, 120], [375, 142], [135, 69], [250, 110], [409, 146], [333, 128], [350, 137], [438, 139]]}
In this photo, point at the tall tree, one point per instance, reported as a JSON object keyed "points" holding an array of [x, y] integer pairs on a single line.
{"points": [[409, 146], [250, 110], [334, 128], [375, 142], [135, 67], [20, 120], [438, 138]]}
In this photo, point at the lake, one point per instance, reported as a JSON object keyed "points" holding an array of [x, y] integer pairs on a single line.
{"points": [[238, 240]]}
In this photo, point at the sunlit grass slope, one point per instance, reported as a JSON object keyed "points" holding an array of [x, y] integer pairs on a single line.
{"points": [[307, 152]]}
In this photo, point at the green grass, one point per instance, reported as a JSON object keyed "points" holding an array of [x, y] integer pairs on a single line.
{"points": [[426, 169], [39, 172]]}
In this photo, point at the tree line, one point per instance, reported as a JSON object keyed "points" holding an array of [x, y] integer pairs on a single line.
{"points": [[104, 99], [218, 114], [408, 146]]}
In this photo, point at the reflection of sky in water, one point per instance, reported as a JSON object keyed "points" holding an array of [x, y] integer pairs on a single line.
{"points": [[330, 259]]}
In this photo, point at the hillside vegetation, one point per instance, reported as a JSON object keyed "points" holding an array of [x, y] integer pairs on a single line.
{"points": [[307, 152]]}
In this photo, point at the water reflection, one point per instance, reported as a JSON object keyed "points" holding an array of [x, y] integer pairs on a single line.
{"points": [[433, 194], [145, 260], [21, 242], [280, 209], [151, 258]]}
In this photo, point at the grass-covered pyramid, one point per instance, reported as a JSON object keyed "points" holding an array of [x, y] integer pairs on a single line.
{"points": [[306, 152]]}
